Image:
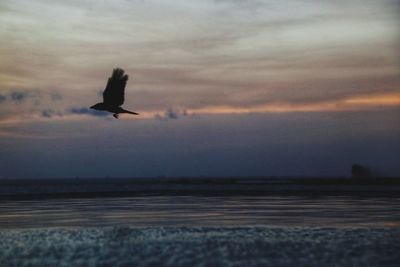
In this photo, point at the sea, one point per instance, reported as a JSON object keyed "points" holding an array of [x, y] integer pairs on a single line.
{"points": [[201, 230], [227, 211]]}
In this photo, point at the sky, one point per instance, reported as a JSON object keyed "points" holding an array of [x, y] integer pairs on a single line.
{"points": [[224, 87]]}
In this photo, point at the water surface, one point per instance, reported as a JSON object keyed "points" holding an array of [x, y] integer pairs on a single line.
{"points": [[328, 211]]}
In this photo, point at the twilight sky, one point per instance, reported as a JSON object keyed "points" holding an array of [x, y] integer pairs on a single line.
{"points": [[224, 87]]}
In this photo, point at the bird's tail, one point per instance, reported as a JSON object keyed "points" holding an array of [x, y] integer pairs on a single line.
{"points": [[130, 112]]}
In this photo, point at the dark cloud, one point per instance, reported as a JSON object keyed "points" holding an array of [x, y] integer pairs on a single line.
{"points": [[19, 96], [88, 111], [56, 96], [31, 96], [172, 113], [48, 113]]}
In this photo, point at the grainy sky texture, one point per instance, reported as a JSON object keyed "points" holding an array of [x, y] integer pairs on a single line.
{"points": [[224, 87]]}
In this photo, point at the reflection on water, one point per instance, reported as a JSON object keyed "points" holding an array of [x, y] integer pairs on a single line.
{"points": [[202, 211]]}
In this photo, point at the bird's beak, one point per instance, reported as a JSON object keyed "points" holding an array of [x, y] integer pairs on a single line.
{"points": [[92, 107]]}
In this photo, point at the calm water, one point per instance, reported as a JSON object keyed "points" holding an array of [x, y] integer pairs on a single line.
{"points": [[329, 211]]}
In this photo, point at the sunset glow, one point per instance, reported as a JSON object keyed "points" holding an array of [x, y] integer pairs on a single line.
{"points": [[192, 63]]}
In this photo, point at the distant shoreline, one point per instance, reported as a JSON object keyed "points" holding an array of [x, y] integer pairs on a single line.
{"points": [[218, 186]]}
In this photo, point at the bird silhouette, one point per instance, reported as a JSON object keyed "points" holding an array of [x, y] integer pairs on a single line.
{"points": [[113, 95]]}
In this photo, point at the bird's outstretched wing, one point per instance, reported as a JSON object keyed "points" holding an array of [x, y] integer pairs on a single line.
{"points": [[114, 93]]}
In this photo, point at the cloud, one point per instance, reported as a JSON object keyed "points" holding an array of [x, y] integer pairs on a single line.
{"points": [[296, 53], [48, 113], [172, 113], [88, 111], [56, 96], [17, 96], [34, 95]]}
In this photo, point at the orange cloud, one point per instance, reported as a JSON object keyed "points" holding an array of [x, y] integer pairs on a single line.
{"points": [[351, 103], [391, 99]]}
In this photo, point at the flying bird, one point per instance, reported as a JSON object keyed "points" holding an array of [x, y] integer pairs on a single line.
{"points": [[113, 95]]}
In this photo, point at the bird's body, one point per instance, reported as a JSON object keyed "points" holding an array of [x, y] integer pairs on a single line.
{"points": [[113, 95]]}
